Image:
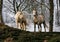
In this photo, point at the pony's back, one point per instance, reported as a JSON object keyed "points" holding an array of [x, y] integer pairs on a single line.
{"points": [[40, 18]]}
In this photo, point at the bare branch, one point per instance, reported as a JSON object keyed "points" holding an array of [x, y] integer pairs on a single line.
{"points": [[11, 10], [24, 8], [10, 2], [20, 4], [14, 5], [44, 5]]}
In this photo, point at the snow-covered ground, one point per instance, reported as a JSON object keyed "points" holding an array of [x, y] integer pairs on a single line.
{"points": [[29, 27], [56, 29]]}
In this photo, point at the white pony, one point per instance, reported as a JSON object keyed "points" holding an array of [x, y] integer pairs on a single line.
{"points": [[20, 20], [16, 18]]}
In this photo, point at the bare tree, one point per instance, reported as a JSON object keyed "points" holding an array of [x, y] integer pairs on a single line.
{"points": [[28, 5], [57, 14], [18, 7], [51, 15]]}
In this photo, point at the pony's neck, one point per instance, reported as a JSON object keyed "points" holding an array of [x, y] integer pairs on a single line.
{"points": [[35, 16]]}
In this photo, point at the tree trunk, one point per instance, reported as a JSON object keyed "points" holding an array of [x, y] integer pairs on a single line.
{"points": [[1, 3], [51, 15], [57, 14]]}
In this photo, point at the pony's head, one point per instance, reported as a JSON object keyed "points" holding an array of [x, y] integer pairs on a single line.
{"points": [[21, 13], [34, 11], [34, 8]]}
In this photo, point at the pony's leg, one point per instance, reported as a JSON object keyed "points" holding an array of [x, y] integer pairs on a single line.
{"points": [[34, 27], [21, 26], [44, 25], [40, 27], [17, 24], [24, 26]]}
